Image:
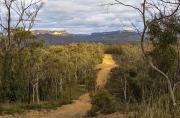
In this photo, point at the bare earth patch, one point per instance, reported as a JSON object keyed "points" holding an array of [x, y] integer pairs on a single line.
{"points": [[105, 69]]}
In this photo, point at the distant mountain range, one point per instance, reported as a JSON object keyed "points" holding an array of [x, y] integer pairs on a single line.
{"points": [[63, 37]]}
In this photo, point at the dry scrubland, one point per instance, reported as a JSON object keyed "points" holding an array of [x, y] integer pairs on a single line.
{"points": [[128, 87], [132, 89], [137, 88]]}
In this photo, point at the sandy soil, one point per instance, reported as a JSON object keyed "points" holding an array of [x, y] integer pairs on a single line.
{"points": [[78, 108], [105, 69]]}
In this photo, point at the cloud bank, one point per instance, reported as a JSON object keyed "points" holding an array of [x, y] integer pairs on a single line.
{"points": [[86, 16]]}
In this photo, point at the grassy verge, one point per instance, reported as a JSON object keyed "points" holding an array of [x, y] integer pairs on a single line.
{"points": [[13, 108]]}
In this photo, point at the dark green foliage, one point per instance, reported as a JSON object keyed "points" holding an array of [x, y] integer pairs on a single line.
{"points": [[135, 88], [8, 87], [90, 84], [102, 102], [116, 86], [164, 58], [113, 49], [163, 34], [164, 37]]}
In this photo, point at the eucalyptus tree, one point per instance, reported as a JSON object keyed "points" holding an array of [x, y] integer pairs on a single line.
{"points": [[16, 34]]}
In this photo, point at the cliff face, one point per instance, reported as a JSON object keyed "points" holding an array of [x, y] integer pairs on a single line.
{"points": [[56, 33], [60, 33]]}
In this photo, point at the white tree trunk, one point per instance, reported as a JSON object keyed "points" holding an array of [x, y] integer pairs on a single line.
{"points": [[33, 94], [37, 92]]}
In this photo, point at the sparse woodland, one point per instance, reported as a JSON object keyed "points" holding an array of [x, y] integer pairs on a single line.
{"points": [[31, 72], [44, 73], [34, 74]]}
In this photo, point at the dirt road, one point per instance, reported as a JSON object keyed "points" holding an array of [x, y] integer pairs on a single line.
{"points": [[105, 69], [78, 108]]}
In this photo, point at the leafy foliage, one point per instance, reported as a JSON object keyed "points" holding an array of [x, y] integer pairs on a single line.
{"points": [[102, 102]]}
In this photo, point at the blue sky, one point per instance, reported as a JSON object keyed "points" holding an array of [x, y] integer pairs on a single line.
{"points": [[86, 16]]}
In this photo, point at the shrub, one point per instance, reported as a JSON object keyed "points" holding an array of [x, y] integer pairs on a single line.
{"points": [[114, 49], [102, 102]]}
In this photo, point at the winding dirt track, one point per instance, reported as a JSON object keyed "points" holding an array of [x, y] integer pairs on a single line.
{"points": [[105, 69], [78, 108]]}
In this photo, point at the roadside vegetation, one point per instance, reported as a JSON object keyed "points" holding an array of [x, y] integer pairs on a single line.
{"points": [[135, 88], [146, 84]]}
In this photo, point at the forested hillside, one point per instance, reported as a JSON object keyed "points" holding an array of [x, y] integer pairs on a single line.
{"points": [[99, 37]]}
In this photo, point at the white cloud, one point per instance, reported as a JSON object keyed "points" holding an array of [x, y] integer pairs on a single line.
{"points": [[80, 16]]}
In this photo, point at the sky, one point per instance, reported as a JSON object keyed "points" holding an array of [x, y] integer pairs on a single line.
{"points": [[86, 16]]}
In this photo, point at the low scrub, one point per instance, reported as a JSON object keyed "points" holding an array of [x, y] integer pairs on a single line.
{"points": [[12, 108], [113, 49], [102, 103]]}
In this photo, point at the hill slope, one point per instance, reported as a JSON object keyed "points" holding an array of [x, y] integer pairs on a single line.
{"points": [[102, 37]]}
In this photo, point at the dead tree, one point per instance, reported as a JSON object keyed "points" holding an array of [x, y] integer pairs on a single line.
{"points": [[15, 15], [25, 12]]}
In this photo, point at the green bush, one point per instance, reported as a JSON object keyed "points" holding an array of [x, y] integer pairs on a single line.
{"points": [[114, 49], [102, 102]]}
